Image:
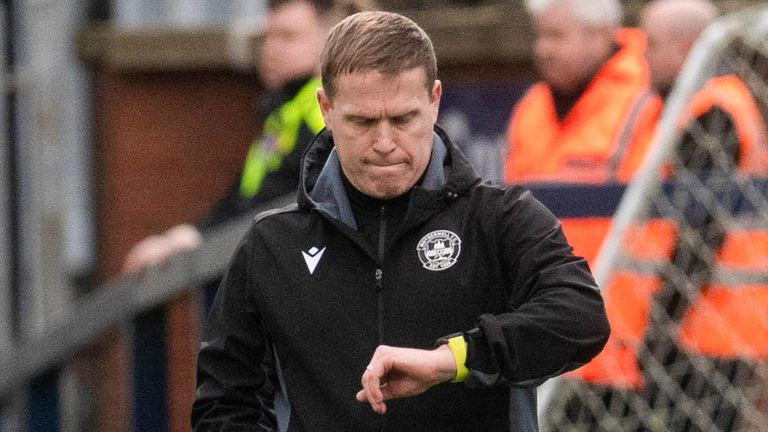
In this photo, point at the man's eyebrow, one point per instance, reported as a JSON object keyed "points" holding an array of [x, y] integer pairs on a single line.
{"points": [[406, 114], [361, 120], [351, 116], [364, 117]]}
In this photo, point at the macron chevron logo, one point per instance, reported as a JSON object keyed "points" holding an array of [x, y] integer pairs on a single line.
{"points": [[312, 257]]}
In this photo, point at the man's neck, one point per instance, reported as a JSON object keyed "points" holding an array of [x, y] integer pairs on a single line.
{"points": [[566, 99], [361, 201], [368, 212]]}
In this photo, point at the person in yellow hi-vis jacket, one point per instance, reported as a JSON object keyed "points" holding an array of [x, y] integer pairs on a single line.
{"points": [[293, 36]]}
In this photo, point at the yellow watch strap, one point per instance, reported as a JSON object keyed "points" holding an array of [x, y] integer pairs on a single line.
{"points": [[458, 347]]}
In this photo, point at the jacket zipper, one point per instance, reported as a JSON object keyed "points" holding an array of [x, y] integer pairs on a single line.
{"points": [[380, 273], [379, 287]]}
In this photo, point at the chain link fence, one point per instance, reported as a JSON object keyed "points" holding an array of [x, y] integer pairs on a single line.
{"points": [[684, 270]]}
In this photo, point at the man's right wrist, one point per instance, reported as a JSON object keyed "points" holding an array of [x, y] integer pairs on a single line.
{"points": [[458, 347]]}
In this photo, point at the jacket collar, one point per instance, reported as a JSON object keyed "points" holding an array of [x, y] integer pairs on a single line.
{"points": [[448, 174], [275, 98]]}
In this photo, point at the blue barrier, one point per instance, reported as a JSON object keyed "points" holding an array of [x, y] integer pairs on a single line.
{"points": [[150, 401], [749, 196], [43, 403], [569, 200]]}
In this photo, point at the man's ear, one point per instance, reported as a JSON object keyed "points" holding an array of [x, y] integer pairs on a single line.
{"points": [[437, 92], [325, 107]]}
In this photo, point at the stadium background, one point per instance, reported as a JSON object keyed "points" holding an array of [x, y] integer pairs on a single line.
{"points": [[122, 118]]}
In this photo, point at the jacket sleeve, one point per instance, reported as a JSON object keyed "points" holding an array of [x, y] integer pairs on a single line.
{"points": [[556, 319], [234, 390]]}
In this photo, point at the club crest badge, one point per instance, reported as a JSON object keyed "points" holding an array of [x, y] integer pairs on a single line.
{"points": [[439, 250]]}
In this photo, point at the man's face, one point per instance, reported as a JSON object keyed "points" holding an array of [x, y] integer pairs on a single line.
{"points": [[666, 52], [382, 126], [293, 41], [567, 53]]}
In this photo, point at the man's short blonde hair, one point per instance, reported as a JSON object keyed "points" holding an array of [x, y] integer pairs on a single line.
{"points": [[385, 42]]}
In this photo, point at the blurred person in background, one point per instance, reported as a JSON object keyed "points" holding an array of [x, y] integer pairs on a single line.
{"points": [[576, 124], [579, 125], [692, 315], [663, 323], [294, 32]]}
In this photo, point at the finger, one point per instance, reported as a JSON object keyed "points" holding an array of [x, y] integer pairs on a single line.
{"points": [[360, 396], [363, 393], [386, 393], [143, 255], [131, 263], [372, 383], [134, 265], [371, 388]]}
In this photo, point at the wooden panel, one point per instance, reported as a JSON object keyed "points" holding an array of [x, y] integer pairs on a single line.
{"points": [[183, 327], [167, 146]]}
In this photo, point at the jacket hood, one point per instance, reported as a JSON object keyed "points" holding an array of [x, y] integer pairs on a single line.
{"points": [[321, 185]]}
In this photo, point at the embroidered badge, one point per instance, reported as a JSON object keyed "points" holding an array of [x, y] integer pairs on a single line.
{"points": [[439, 250]]}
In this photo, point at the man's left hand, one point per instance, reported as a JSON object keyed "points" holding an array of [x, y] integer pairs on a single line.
{"points": [[396, 373]]}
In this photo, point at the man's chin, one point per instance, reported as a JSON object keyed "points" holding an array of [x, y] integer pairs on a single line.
{"points": [[385, 192]]}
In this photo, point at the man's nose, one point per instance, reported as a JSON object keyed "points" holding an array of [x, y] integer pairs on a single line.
{"points": [[384, 137]]}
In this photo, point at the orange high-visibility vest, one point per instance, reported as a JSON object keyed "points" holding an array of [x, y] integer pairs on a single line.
{"points": [[589, 144], [628, 296], [586, 234], [596, 142], [730, 316], [731, 94]]}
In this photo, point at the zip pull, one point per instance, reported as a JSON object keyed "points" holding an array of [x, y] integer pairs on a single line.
{"points": [[380, 305], [378, 276]]}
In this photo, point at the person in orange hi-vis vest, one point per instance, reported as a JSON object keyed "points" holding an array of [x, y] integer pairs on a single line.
{"points": [[575, 125], [719, 310], [739, 329], [628, 293], [720, 318], [579, 123]]}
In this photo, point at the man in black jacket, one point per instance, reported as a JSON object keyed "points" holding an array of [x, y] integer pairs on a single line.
{"points": [[400, 293]]}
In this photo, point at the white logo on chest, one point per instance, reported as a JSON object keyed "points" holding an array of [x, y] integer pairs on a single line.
{"points": [[439, 250], [312, 257]]}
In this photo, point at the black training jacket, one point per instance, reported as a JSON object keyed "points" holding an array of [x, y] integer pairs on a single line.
{"points": [[305, 289]]}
